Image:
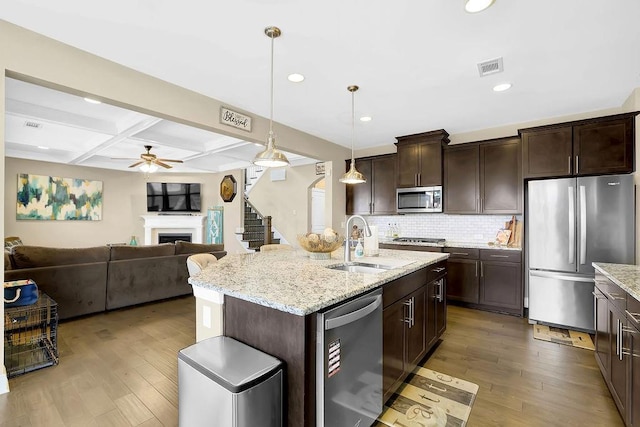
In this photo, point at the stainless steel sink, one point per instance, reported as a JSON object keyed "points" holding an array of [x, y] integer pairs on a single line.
{"points": [[361, 267]]}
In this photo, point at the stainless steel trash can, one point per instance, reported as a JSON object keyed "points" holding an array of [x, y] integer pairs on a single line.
{"points": [[225, 383]]}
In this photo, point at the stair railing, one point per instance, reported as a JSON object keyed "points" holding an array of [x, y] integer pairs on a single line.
{"points": [[265, 219]]}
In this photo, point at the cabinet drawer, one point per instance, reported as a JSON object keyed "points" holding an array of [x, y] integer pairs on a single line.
{"points": [[436, 271], [400, 288], [615, 295], [500, 255], [420, 248], [633, 311], [463, 253]]}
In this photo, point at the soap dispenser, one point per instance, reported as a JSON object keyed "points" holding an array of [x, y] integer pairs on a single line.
{"points": [[359, 253]]}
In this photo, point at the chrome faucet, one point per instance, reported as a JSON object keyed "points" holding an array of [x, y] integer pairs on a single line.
{"points": [[347, 233]]}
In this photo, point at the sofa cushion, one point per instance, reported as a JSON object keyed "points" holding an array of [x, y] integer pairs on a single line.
{"points": [[10, 242], [196, 248], [7, 261], [132, 252], [39, 256]]}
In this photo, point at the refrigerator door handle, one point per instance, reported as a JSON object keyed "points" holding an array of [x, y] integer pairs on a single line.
{"points": [[572, 224], [583, 225], [560, 276]]}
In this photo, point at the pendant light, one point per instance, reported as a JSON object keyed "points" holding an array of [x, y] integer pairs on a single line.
{"points": [[271, 157], [475, 6], [353, 176]]}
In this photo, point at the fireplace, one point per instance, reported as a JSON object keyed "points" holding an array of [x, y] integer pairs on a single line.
{"points": [[172, 225], [172, 237]]}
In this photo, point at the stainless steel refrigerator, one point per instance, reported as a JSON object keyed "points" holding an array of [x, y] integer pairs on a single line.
{"points": [[570, 223]]}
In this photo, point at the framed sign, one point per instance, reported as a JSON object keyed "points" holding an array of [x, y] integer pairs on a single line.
{"points": [[228, 188], [235, 119], [320, 168]]}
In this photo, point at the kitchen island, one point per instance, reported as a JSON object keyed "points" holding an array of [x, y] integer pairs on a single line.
{"points": [[271, 300], [617, 340]]}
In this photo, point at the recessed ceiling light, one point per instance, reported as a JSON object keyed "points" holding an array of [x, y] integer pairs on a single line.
{"points": [[295, 77], [502, 87], [92, 101], [475, 6], [42, 147], [365, 118]]}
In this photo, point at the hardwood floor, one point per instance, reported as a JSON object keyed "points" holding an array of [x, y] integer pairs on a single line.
{"points": [[120, 369]]}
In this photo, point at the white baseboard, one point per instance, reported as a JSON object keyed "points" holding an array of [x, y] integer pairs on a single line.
{"points": [[4, 381]]}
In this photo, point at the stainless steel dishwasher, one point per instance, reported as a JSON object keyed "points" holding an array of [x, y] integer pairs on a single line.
{"points": [[349, 363]]}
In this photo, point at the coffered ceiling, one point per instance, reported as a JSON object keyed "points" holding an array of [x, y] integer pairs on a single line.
{"points": [[415, 63]]}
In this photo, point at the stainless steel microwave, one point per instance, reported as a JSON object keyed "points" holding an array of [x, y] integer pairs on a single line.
{"points": [[419, 199]]}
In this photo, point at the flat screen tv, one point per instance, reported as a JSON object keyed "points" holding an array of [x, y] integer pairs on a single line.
{"points": [[173, 197]]}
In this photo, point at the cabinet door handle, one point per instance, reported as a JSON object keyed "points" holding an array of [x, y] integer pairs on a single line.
{"points": [[460, 253], [408, 320], [438, 270], [612, 296], [499, 256], [633, 316], [577, 164], [619, 350], [440, 295]]}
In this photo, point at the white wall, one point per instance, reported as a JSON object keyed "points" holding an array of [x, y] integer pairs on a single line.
{"points": [[287, 202]]}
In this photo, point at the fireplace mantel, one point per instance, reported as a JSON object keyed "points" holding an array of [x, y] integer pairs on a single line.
{"points": [[172, 224]]}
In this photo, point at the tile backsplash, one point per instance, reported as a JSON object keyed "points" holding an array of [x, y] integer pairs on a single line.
{"points": [[459, 228]]}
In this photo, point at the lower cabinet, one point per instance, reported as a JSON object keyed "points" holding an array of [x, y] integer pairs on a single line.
{"points": [[414, 318], [617, 342], [489, 279]]}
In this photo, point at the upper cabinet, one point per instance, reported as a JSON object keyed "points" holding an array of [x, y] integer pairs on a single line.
{"points": [[419, 159], [588, 147], [483, 177], [377, 196]]}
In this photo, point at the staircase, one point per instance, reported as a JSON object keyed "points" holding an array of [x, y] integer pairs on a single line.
{"points": [[254, 228]]}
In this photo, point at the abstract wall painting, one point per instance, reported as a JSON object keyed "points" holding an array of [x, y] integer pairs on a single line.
{"points": [[42, 197]]}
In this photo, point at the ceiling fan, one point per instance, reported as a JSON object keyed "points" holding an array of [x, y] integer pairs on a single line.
{"points": [[149, 162]]}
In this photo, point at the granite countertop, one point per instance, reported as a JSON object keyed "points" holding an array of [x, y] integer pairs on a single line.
{"points": [[292, 282], [452, 244], [624, 275]]}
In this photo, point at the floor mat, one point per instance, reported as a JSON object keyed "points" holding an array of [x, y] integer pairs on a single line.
{"points": [[429, 398], [563, 336]]}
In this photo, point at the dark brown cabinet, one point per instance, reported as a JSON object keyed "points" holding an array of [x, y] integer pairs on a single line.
{"points": [[419, 159], [483, 177], [489, 279], [501, 279], [463, 275], [587, 147], [378, 195], [617, 342], [414, 318]]}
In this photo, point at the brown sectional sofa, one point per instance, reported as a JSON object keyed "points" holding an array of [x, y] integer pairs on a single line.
{"points": [[92, 280]]}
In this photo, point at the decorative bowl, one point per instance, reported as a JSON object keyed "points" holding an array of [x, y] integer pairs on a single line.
{"points": [[320, 245]]}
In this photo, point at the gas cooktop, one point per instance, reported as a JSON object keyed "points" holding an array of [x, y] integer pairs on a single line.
{"points": [[418, 240]]}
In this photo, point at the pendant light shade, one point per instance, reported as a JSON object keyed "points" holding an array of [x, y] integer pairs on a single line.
{"points": [[271, 157], [475, 6], [353, 176]]}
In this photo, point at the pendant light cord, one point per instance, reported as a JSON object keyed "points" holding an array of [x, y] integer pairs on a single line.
{"points": [[353, 124], [271, 114]]}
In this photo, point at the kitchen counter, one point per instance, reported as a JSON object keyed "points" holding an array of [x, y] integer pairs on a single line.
{"points": [[624, 275], [291, 282], [450, 244]]}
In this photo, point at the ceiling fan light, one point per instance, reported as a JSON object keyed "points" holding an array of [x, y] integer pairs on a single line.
{"points": [[271, 157], [475, 6], [148, 167], [353, 176]]}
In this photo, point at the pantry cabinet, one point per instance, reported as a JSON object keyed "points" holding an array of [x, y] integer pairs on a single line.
{"points": [[596, 146]]}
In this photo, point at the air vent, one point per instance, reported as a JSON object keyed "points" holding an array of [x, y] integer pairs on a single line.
{"points": [[491, 66], [34, 125]]}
